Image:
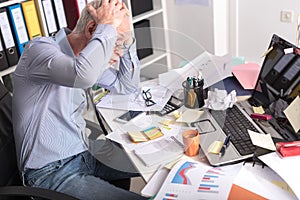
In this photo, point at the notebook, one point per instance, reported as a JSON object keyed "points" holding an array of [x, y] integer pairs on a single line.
{"points": [[282, 64], [160, 152]]}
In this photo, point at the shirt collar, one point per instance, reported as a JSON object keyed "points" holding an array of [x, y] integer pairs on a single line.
{"points": [[62, 41]]}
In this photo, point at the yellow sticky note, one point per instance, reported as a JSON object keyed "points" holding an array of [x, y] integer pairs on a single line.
{"points": [[258, 110], [167, 122], [215, 147]]}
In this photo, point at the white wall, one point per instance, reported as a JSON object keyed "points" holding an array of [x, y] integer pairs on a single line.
{"points": [[190, 31], [254, 22], [241, 27]]}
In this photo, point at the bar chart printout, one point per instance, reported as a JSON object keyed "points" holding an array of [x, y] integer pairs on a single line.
{"points": [[194, 180]]}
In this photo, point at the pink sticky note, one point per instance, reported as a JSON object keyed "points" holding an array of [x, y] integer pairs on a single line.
{"points": [[247, 74]]}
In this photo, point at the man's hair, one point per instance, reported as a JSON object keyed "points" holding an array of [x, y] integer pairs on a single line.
{"points": [[85, 17]]}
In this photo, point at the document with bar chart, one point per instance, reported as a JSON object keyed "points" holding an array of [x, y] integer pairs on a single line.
{"points": [[196, 180]]}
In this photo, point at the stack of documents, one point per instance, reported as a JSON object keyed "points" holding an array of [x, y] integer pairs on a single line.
{"points": [[212, 68], [160, 95]]}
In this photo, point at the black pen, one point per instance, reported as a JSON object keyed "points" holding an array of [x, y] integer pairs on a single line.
{"points": [[225, 145]]}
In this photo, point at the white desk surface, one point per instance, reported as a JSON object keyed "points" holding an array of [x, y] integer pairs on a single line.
{"points": [[108, 116]]}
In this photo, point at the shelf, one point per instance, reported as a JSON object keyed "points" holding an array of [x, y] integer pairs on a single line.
{"points": [[159, 37], [146, 15], [156, 56], [8, 71]]}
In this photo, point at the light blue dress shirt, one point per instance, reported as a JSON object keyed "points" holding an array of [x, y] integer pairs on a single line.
{"points": [[49, 96]]}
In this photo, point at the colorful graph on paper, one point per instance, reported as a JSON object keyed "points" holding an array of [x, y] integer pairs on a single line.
{"points": [[181, 174], [209, 182], [195, 180]]}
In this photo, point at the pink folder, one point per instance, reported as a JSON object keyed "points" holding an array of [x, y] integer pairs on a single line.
{"points": [[247, 74]]}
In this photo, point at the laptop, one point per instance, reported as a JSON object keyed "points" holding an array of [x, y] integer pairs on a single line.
{"points": [[278, 81]]}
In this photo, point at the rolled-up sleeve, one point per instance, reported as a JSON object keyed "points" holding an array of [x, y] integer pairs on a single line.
{"points": [[126, 78]]}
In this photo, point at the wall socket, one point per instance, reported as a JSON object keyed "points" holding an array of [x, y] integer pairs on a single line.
{"points": [[286, 16]]}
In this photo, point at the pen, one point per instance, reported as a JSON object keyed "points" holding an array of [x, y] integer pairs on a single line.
{"points": [[225, 145]]}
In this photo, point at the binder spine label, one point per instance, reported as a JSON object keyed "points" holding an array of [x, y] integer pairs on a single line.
{"points": [[6, 31], [49, 15], [20, 25], [61, 17]]}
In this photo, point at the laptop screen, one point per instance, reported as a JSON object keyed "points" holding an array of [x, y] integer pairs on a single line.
{"points": [[279, 77]]}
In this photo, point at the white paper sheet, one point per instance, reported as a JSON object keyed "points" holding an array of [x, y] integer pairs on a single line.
{"points": [[196, 180], [293, 113], [213, 69], [264, 182], [262, 140], [135, 101], [287, 168]]}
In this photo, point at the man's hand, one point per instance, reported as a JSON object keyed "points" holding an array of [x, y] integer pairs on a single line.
{"points": [[110, 12], [118, 52], [124, 29]]}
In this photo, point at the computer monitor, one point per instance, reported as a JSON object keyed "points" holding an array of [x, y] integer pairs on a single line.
{"points": [[280, 73], [279, 77]]}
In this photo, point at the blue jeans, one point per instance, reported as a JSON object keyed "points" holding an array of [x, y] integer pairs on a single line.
{"points": [[81, 176]]}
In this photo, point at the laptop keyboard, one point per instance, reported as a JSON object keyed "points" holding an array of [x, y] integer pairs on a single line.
{"points": [[234, 122]]}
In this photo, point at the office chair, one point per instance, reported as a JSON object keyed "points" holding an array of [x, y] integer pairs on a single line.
{"points": [[10, 183]]}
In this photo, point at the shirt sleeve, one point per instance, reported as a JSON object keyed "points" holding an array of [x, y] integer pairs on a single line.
{"points": [[50, 63], [127, 78]]}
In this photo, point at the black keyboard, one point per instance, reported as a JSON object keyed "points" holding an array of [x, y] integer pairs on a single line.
{"points": [[234, 122]]}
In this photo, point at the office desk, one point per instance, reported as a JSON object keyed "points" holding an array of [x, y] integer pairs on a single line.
{"points": [[108, 116]]}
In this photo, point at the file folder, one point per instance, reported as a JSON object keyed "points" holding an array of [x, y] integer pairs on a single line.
{"points": [[8, 40], [3, 60], [60, 15], [19, 27], [31, 19], [290, 75], [49, 16], [41, 17], [73, 9], [279, 67]]}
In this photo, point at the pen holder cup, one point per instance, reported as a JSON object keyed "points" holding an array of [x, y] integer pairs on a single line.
{"points": [[193, 95], [191, 141]]}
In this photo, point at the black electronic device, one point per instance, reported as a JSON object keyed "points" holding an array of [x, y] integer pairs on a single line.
{"points": [[173, 104], [278, 82], [280, 73], [129, 115]]}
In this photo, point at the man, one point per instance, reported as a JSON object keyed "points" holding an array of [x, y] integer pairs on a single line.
{"points": [[49, 98]]}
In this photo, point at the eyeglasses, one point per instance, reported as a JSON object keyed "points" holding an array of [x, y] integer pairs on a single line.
{"points": [[147, 97]]}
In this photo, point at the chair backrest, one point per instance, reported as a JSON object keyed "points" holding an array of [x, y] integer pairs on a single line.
{"points": [[9, 174]]}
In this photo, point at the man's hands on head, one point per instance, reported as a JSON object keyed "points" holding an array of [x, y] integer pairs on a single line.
{"points": [[110, 12], [115, 13], [124, 30]]}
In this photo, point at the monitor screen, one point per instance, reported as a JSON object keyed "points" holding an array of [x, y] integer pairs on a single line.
{"points": [[279, 79], [280, 73]]}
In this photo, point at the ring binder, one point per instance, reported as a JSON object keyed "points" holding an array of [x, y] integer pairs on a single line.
{"points": [[49, 17], [73, 9], [8, 40], [31, 19], [3, 59], [60, 15], [19, 27]]}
